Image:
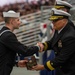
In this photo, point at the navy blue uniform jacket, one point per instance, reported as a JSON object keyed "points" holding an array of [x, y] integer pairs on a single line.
{"points": [[9, 46], [64, 48]]}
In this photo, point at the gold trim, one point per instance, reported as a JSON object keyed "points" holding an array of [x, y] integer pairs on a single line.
{"points": [[46, 46], [55, 17], [58, 6], [49, 66]]}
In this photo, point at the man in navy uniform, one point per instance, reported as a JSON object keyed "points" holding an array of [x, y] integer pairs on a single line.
{"points": [[63, 44], [9, 45], [65, 6]]}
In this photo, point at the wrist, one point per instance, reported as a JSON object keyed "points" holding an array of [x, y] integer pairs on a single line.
{"points": [[38, 47], [42, 67]]}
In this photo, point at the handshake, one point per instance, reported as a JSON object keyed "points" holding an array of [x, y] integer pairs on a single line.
{"points": [[39, 44]]}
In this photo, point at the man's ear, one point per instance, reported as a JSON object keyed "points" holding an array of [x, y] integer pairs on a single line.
{"points": [[11, 21]]}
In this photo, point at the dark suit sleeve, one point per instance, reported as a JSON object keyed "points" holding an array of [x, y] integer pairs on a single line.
{"points": [[11, 42], [65, 55]]}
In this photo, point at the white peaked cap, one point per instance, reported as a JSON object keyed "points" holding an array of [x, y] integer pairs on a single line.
{"points": [[64, 3], [11, 13], [60, 12]]}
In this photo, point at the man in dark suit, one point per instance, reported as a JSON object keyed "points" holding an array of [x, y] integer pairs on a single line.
{"points": [[9, 45], [63, 44]]}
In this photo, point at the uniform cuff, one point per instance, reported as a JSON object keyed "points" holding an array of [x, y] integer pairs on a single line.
{"points": [[38, 47], [49, 66], [45, 45]]}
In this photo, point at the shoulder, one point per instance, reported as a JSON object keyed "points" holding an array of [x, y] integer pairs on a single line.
{"points": [[69, 36], [71, 24], [5, 34], [69, 33]]}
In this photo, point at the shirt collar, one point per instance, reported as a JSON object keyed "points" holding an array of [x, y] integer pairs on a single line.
{"points": [[60, 30]]}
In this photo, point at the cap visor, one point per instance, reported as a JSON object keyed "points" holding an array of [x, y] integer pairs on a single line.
{"points": [[58, 7], [53, 18]]}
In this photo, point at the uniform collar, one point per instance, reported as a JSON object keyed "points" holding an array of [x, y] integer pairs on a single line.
{"points": [[60, 30]]}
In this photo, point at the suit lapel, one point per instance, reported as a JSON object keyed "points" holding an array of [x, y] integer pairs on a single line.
{"points": [[55, 39]]}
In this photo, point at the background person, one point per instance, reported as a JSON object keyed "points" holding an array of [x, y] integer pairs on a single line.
{"points": [[62, 5]]}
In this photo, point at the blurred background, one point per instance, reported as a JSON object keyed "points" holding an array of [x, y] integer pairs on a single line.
{"points": [[23, 6], [35, 27]]}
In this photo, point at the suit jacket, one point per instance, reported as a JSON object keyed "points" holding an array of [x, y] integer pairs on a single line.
{"points": [[64, 48], [9, 46]]}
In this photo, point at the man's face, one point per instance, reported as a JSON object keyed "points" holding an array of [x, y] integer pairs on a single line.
{"points": [[16, 23], [58, 24]]}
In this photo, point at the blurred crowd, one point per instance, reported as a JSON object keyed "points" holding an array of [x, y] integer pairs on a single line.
{"points": [[25, 7]]}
